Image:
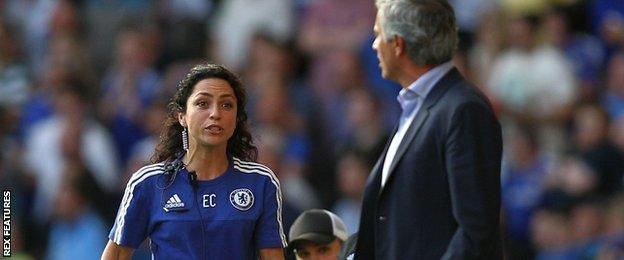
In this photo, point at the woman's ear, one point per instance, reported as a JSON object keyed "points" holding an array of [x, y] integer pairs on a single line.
{"points": [[182, 119]]}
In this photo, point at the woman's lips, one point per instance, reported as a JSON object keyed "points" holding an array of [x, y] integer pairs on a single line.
{"points": [[214, 129]]}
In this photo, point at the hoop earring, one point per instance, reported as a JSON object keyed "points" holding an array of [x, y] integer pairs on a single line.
{"points": [[185, 144]]}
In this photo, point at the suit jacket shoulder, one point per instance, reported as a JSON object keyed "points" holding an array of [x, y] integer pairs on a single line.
{"points": [[459, 91], [456, 94]]}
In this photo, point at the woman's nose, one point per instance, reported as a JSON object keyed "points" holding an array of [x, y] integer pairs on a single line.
{"points": [[214, 112]]}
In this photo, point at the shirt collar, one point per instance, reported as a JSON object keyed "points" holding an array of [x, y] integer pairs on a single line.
{"points": [[422, 86]]}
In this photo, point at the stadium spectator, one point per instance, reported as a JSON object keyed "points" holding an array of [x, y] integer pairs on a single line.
{"points": [[524, 175], [533, 82], [71, 134], [613, 96], [237, 21], [130, 86], [590, 136], [14, 79], [77, 231], [352, 172], [583, 51], [317, 234]]}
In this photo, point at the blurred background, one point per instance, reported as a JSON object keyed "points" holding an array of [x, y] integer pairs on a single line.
{"points": [[84, 84]]}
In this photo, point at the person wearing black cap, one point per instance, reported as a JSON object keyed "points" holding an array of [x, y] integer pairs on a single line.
{"points": [[317, 234]]}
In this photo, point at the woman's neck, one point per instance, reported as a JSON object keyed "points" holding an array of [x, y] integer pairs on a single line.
{"points": [[208, 164]]}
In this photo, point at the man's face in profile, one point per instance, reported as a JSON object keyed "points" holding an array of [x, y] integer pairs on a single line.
{"points": [[309, 250], [384, 50]]}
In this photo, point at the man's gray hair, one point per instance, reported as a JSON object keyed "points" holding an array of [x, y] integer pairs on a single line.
{"points": [[427, 26]]}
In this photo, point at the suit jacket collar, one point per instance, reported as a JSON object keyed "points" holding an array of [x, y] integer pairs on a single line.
{"points": [[452, 77]]}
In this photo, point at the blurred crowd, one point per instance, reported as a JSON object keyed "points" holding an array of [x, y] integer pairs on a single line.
{"points": [[84, 86]]}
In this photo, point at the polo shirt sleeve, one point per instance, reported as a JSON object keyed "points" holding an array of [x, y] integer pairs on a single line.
{"points": [[132, 221], [269, 231]]}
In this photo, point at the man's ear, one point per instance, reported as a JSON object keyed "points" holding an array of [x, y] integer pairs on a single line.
{"points": [[399, 46]]}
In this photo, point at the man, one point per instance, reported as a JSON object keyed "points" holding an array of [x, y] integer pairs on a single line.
{"points": [[435, 190], [317, 234]]}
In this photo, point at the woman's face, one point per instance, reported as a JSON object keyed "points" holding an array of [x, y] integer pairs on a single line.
{"points": [[210, 114]]}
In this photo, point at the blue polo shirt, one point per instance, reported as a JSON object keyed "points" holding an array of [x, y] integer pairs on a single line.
{"points": [[240, 212]]}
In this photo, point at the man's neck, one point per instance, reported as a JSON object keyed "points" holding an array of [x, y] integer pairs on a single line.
{"points": [[411, 73]]}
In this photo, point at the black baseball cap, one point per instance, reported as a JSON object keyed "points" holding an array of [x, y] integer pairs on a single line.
{"points": [[317, 225]]}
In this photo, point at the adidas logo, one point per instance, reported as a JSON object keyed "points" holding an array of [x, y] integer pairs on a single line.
{"points": [[173, 203]]}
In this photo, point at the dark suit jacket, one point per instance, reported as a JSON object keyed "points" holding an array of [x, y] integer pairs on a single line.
{"points": [[442, 197]]}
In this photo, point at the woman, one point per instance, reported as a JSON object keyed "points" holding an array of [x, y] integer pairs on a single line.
{"points": [[206, 198]]}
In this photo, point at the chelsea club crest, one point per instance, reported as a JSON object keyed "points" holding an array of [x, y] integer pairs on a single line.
{"points": [[242, 199]]}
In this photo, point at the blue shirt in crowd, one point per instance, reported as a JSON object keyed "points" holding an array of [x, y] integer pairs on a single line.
{"points": [[82, 238]]}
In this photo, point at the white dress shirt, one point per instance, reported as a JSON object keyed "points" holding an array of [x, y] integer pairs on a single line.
{"points": [[411, 100]]}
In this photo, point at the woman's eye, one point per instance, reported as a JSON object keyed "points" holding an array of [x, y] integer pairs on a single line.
{"points": [[227, 105], [202, 104]]}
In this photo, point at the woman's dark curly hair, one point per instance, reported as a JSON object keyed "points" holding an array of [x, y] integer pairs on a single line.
{"points": [[170, 144]]}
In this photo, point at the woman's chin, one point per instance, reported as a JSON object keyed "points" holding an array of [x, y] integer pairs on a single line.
{"points": [[213, 142]]}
